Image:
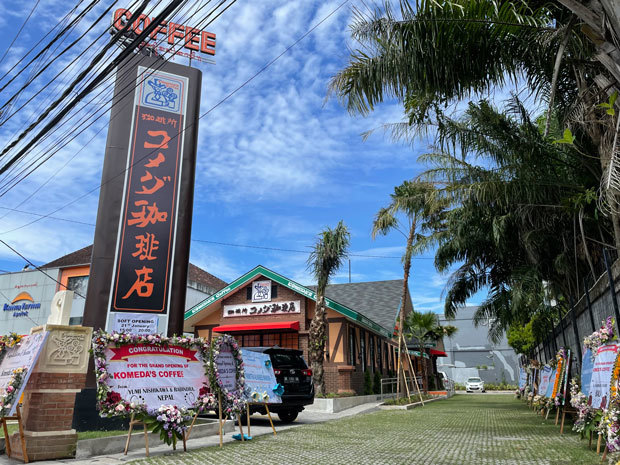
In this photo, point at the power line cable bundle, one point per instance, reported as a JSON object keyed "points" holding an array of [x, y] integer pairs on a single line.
{"points": [[106, 74]]}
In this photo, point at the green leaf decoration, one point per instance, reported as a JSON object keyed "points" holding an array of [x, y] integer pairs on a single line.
{"points": [[567, 139], [609, 105]]}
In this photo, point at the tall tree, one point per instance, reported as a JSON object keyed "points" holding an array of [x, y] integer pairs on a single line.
{"points": [[516, 201], [409, 202], [422, 328], [326, 258], [414, 53]]}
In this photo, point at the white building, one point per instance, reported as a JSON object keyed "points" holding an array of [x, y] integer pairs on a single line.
{"points": [[26, 296]]}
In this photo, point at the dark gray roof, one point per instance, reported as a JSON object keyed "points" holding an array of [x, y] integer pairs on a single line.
{"points": [[377, 300]]}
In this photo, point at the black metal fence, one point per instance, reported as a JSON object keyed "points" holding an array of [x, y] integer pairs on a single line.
{"points": [[598, 301]]}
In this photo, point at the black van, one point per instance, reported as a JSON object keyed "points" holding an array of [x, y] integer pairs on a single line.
{"points": [[291, 372]]}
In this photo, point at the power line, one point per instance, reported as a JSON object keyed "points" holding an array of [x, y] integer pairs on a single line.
{"points": [[38, 268], [20, 31], [87, 89], [68, 139], [41, 40], [228, 244], [228, 96]]}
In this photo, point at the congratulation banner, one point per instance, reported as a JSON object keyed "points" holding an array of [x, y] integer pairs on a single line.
{"points": [[259, 377], [587, 364], [549, 392], [23, 356], [545, 376], [600, 383], [522, 377], [155, 375]]}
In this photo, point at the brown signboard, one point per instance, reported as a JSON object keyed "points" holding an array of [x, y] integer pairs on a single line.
{"points": [[141, 248]]}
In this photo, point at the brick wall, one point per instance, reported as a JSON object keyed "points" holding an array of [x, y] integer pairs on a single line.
{"points": [[49, 400], [44, 447]]}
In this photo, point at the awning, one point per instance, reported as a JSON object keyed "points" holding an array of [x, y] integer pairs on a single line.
{"points": [[294, 325], [439, 353]]}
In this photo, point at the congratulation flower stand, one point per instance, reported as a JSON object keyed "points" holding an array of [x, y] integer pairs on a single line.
{"points": [[264, 404], [22, 439]]}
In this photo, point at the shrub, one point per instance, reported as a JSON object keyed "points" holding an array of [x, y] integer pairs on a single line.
{"points": [[367, 383], [377, 383]]}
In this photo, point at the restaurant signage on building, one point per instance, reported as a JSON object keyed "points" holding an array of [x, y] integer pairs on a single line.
{"points": [[261, 291], [173, 35], [276, 308]]}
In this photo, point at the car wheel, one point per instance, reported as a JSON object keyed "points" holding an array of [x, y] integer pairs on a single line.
{"points": [[288, 416]]}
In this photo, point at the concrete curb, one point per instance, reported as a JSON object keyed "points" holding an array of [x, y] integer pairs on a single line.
{"points": [[410, 406], [338, 404], [115, 444]]}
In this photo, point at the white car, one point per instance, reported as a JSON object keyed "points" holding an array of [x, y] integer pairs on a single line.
{"points": [[474, 385]]}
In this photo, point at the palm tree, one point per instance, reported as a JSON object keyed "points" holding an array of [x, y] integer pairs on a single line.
{"points": [[415, 54], [522, 212], [326, 258], [409, 201], [424, 328]]}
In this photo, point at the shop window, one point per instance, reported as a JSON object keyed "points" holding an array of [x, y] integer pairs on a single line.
{"points": [[372, 351], [248, 293], [274, 291], [363, 350], [271, 339], [78, 284], [352, 347], [250, 340], [380, 355], [290, 340]]}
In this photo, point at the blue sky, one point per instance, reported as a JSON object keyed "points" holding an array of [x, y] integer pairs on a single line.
{"points": [[276, 163]]}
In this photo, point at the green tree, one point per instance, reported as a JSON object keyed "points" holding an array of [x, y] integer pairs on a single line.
{"points": [[521, 338], [414, 53], [521, 219], [327, 256], [423, 328], [409, 202]]}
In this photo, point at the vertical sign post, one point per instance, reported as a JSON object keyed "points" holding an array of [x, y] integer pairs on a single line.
{"points": [[141, 248]]}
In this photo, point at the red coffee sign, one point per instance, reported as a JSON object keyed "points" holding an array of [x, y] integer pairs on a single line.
{"points": [[192, 38]]}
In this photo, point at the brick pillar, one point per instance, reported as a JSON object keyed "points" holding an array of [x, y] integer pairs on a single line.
{"points": [[49, 397]]}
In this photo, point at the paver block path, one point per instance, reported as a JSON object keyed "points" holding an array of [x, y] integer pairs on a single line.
{"points": [[466, 429]]}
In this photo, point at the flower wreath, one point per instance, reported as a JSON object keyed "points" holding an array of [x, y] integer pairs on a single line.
{"points": [[556, 394], [610, 427], [606, 333], [7, 395], [615, 374], [579, 401], [233, 402], [111, 403]]}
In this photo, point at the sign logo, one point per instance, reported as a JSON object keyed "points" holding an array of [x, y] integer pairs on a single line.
{"points": [[261, 291], [165, 93], [21, 309]]}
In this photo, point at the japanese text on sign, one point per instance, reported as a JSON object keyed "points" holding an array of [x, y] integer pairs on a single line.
{"points": [[146, 241]]}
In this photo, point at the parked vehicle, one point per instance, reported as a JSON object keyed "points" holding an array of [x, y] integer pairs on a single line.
{"points": [[474, 384], [448, 384], [293, 373]]}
